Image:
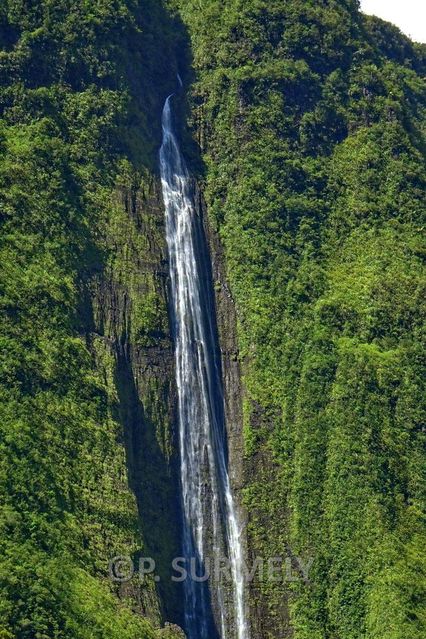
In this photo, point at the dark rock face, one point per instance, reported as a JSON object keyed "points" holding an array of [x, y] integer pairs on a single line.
{"points": [[227, 328], [130, 309], [226, 319]]}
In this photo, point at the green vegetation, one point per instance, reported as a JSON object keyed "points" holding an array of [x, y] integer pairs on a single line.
{"points": [[76, 104], [312, 120]]}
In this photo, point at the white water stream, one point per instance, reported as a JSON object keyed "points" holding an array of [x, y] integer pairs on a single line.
{"points": [[210, 522]]}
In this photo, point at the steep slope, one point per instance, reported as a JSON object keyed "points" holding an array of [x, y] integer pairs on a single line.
{"points": [[85, 371], [311, 122], [311, 119]]}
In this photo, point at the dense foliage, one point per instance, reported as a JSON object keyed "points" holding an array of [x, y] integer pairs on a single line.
{"points": [[312, 120], [75, 88]]}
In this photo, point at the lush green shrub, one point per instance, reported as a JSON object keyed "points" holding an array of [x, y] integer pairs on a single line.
{"points": [[312, 118]]}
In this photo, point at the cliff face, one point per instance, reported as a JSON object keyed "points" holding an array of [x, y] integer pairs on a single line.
{"points": [[310, 121], [86, 379], [131, 321]]}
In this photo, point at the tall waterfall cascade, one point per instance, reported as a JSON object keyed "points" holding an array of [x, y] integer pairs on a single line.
{"points": [[214, 609]]}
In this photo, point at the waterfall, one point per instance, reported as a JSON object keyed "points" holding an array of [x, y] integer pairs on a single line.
{"points": [[210, 523]]}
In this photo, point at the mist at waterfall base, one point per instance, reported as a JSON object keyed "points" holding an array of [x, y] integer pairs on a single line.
{"points": [[214, 609]]}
